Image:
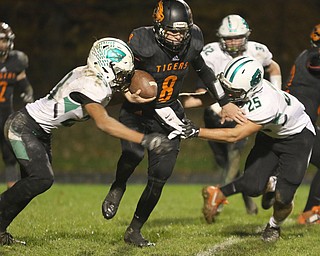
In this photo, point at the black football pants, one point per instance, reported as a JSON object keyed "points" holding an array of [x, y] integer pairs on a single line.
{"points": [[290, 156], [32, 147], [160, 166]]}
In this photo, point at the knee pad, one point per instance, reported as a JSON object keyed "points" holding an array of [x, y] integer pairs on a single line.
{"points": [[41, 185]]}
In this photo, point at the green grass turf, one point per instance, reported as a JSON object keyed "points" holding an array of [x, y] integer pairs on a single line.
{"points": [[67, 220]]}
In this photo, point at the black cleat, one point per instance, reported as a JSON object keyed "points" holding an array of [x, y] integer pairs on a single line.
{"points": [[6, 238], [111, 202], [135, 238], [270, 234]]}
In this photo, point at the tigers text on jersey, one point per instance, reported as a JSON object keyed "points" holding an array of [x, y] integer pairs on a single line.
{"points": [[15, 63], [280, 113], [57, 108], [217, 59]]}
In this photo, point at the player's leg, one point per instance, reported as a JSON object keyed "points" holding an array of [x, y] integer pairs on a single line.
{"points": [[314, 193], [132, 155], [259, 164], [12, 173], [293, 161], [234, 171], [32, 147], [160, 169]]}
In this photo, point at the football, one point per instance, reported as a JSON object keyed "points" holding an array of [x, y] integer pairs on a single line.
{"points": [[145, 82]]}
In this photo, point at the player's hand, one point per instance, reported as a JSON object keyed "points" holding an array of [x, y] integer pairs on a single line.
{"points": [[189, 130], [157, 142], [27, 97], [136, 98], [231, 112]]}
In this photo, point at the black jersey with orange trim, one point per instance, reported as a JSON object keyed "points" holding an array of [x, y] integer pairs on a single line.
{"points": [[15, 63], [169, 70], [305, 86]]}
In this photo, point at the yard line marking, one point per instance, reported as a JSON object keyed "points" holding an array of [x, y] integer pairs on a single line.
{"points": [[220, 247]]}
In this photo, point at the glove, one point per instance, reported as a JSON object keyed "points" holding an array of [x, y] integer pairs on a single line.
{"points": [[157, 142], [26, 97], [189, 130]]}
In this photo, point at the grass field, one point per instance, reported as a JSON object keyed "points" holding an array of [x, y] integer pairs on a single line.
{"points": [[67, 220]]}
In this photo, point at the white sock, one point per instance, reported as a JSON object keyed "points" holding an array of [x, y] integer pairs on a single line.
{"points": [[273, 223]]}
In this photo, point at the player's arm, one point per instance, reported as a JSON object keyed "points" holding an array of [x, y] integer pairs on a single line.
{"points": [[110, 125], [229, 134], [24, 84], [136, 98], [275, 74], [196, 99]]}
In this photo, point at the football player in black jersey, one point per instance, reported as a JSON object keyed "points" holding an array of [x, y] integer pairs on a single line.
{"points": [[304, 83], [166, 50], [13, 64]]}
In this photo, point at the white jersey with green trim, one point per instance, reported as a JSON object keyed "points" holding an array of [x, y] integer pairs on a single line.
{"points": [[280, 113], [57, 108], [217, 59]]}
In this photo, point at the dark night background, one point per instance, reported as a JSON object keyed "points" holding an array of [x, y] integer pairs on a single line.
{"points": [[57, 36]]}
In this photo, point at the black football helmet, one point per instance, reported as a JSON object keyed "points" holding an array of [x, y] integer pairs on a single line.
{"points": [[6, 33], [174, 16]]}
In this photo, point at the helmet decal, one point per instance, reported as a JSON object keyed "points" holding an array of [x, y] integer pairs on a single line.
{"points": [[158, 12], [115, 55], [315, 36], [256, 78]]}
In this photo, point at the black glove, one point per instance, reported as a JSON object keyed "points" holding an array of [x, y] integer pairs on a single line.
{"points": [[157, 142], [189, 130]]}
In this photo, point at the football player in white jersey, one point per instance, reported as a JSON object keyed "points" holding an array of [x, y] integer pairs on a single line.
{"points": [[233, 35], [284, 140], [82, 93]]}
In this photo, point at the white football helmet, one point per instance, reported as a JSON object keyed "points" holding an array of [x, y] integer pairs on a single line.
{"points": [[242, 77], [233, 27], [112, 61]]}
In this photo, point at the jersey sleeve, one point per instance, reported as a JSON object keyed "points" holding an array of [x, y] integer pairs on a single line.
{"points": [[81, 98], [141, 43]]}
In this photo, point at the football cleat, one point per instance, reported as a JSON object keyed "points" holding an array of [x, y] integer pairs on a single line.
{"points": [[268, 197], [213, 202], [6, 238], [135, 238], [111, 202], [270, 234], [310, 217]]}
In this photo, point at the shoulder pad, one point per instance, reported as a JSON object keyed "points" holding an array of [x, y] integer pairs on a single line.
{"points": [[21, 59], [142, 42], [197, 40]]}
